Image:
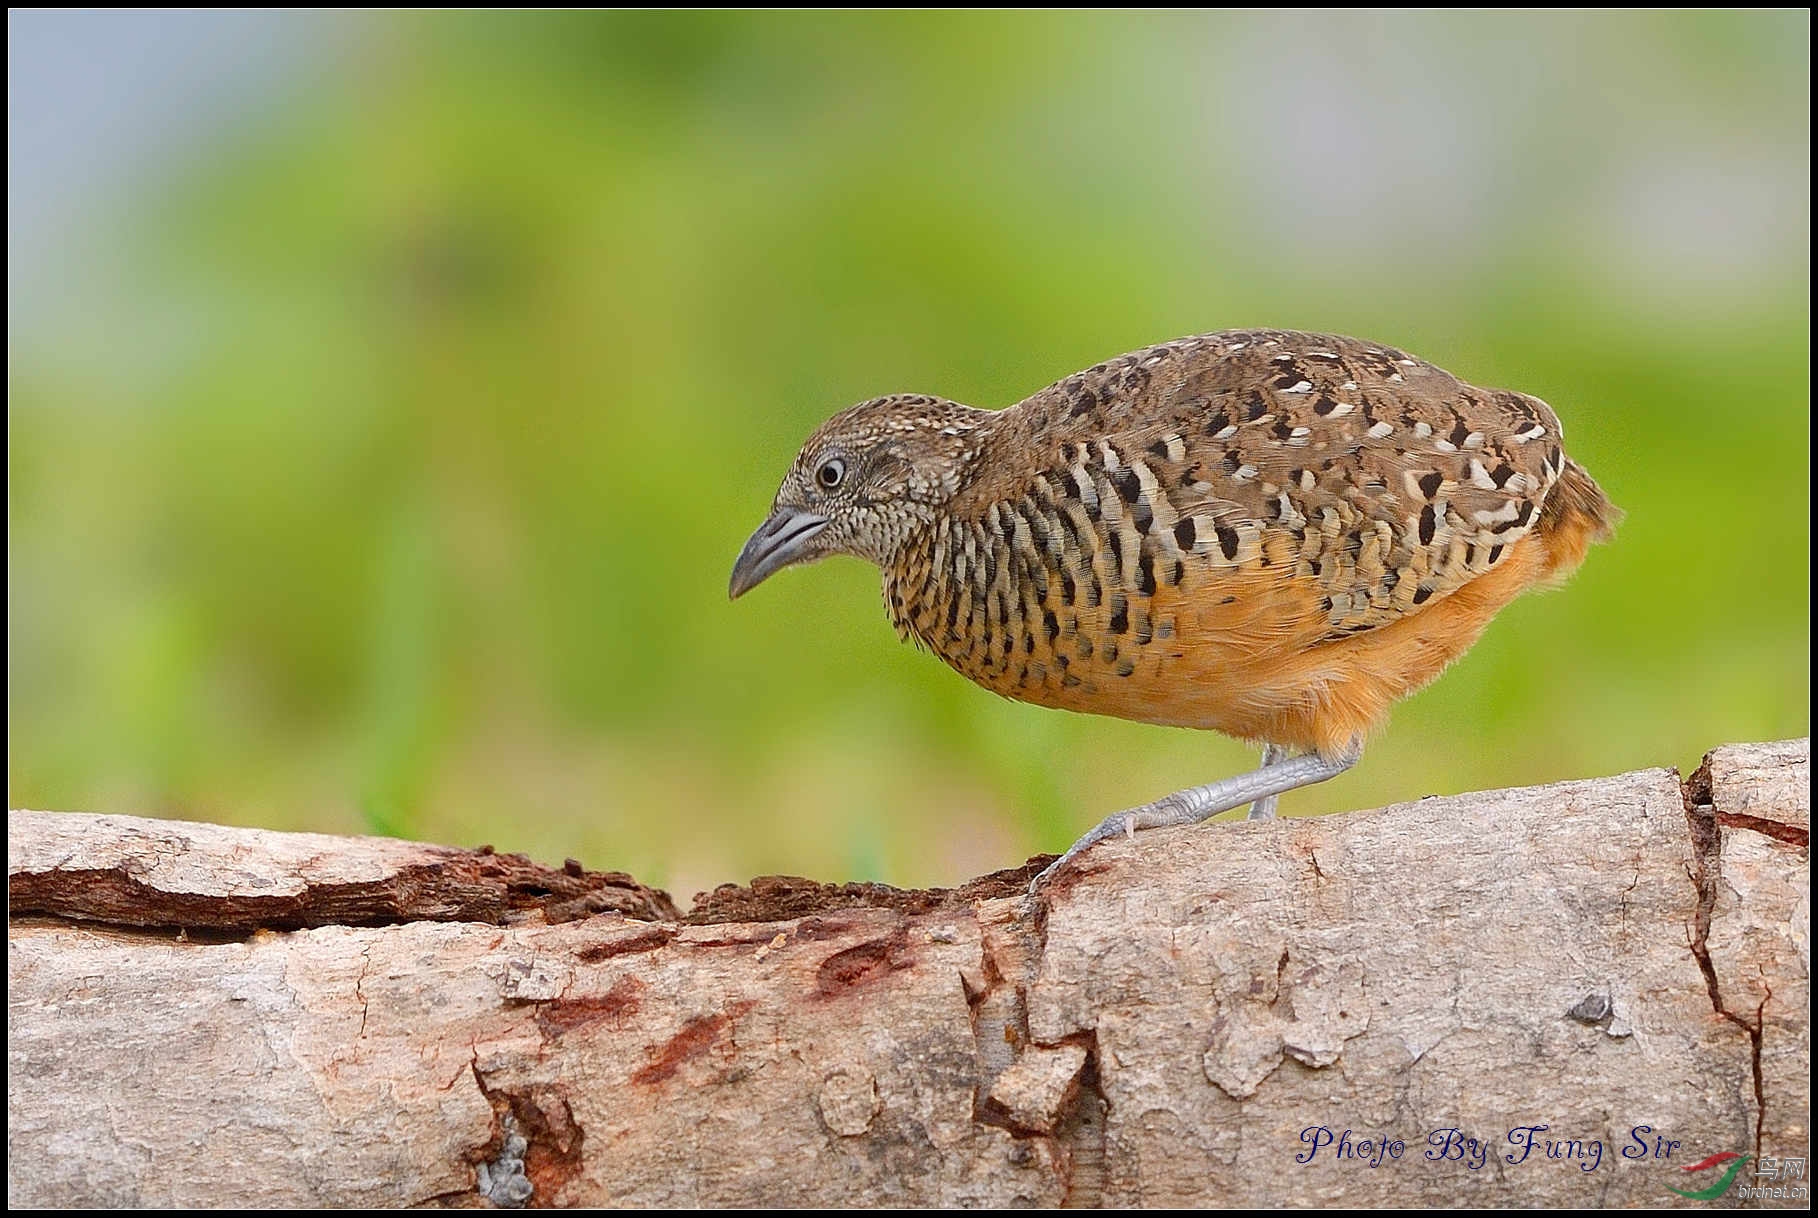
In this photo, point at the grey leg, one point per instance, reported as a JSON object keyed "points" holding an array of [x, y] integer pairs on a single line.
{"points": [[1198, 803], [1264, 808]]}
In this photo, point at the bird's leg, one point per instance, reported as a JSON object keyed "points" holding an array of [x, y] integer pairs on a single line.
{"points": [[1198, 803], [1264, 808]]}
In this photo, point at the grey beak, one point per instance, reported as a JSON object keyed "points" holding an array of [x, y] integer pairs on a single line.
{"points": [[778, 542]]}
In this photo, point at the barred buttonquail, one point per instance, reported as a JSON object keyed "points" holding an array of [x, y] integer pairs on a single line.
{"points": [[1273, 534]]}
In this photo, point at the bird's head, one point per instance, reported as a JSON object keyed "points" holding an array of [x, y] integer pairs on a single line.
{"points": [[864, 482]]}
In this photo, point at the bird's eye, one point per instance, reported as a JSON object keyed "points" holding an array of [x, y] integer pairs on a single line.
{"points": [[831, 473]]}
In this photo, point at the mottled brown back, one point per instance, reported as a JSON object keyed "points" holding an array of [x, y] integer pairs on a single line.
{"points": [[1168, 520]]}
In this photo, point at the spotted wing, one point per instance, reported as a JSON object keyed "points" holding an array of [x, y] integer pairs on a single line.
{"points": [[1380, 478]]}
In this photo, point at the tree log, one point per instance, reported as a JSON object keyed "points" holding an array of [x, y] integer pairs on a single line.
{"points": [[204, 1016]]}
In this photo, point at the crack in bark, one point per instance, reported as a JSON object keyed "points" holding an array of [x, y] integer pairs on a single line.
{"points": [[1081, 1135], [1077, 1135], [359, 987], [1792, 835], [1707, 847]]}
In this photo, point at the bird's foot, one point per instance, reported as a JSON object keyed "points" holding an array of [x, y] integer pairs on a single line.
{"points": [[1259, 786], [1169, 811]]}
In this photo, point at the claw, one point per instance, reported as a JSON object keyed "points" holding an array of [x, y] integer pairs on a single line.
{"points": [[1260, 786]]}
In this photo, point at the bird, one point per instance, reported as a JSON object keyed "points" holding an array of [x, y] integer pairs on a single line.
{"points": [[1270, 534]]}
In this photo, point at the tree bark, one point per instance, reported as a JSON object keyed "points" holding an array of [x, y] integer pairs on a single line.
{"points": [[204, 1016]]}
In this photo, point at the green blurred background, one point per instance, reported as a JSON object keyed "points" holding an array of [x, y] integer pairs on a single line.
{"points": [[382, 429]]}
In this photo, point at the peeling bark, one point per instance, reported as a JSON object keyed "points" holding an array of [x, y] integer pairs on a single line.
{"points": [[127, 871], [224, 1017]]}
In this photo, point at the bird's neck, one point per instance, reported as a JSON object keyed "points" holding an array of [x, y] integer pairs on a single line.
{"points": [[908, 576], [914, 578]]}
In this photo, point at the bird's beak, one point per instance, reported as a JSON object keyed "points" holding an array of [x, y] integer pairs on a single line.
{"points": [[779, 541]]}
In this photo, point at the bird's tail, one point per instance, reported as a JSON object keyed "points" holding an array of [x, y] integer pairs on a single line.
{"points": [[1575, 514]]}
